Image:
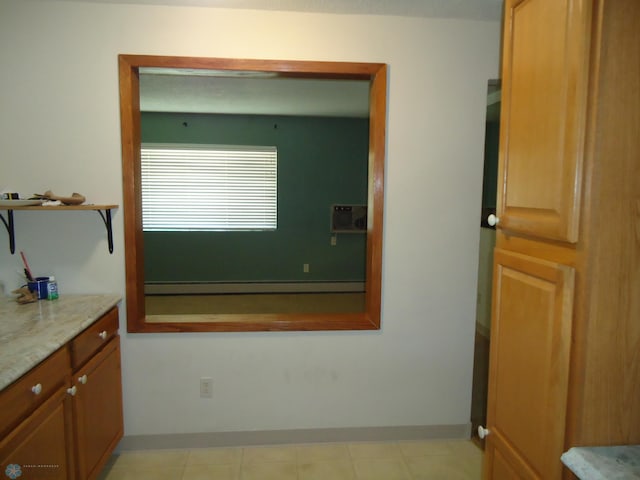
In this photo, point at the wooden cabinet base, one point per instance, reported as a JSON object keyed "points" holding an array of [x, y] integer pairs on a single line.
{"points": [[63, 419], [38, 448]]}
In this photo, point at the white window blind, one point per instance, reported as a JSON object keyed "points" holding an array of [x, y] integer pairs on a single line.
{"points": [[208, 187]]}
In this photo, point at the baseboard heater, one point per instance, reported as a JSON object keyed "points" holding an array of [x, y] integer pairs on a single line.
{"points": [[203, 288]]}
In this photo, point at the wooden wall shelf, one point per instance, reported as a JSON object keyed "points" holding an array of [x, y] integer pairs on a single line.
{"points": [[103, 210]]}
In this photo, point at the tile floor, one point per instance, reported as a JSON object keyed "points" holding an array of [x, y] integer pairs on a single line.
{"points": [[412, 460]]}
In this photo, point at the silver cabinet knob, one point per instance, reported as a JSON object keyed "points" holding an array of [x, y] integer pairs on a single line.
{"points": [[493, 220], [72, 391], [483, 432], [82, 379], [36, 389], [103, 334]]}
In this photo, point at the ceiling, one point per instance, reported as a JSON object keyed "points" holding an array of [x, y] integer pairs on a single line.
{"points": [[468, 9], [257, 96]]}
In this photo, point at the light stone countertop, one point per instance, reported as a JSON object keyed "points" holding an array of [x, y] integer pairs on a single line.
{"points": [[618, 462], [30, 333]]}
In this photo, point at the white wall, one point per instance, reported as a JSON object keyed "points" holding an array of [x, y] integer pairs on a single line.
{"points": [[59, 130]]}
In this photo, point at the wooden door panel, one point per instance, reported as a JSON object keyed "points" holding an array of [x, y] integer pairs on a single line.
{"points": [[40, 447], [98, 409], [529, 362], [502, 470], [545, 67]]}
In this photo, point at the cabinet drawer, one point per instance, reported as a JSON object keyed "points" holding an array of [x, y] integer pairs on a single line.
{"points": [[93, 338], [23, 396]]}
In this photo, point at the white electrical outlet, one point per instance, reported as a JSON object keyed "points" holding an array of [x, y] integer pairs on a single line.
{"points": [[305, 268], [206, 387]]}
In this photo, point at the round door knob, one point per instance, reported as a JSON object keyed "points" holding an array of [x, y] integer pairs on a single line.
{"points": [[72, 391], [482, 432], [82, 379], [493, 220], [36, 389], [103, 334]]}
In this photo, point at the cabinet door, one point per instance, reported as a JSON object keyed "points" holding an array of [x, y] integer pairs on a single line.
{"points": [[544, 78], [529, 367], [98, 409], [41, 446]]}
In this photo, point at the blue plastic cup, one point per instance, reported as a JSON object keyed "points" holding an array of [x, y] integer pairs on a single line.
{"points": [[39, 286]]}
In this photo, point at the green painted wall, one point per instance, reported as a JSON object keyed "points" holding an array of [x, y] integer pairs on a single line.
{"points": [[321, 161]]}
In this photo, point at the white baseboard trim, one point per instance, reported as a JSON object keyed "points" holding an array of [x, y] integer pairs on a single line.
{"points": [[283, 437], [198, 288]]}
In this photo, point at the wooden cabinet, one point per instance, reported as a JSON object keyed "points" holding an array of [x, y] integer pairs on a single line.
{"points": [[544, 79], [95, 337], [529, 372], [63, 419], [38, 447], [32, 389], [97, 408], [36, 423], [564, 367]]}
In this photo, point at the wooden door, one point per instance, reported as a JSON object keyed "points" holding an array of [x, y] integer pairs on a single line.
{"points": [[544, 78], [529, 367], [98, 409], [41, 447]]}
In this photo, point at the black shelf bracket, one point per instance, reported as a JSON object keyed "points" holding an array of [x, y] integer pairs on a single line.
{"points": [[106, 218], [10, 230], [9, 225]]}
